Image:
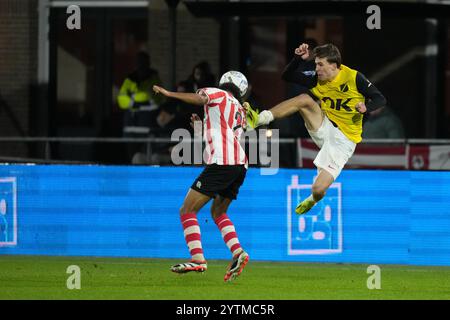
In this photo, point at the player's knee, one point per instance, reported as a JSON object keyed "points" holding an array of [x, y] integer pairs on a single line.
{"points": [[215, 213], [216, 210], [186, 208], [318, 191]]}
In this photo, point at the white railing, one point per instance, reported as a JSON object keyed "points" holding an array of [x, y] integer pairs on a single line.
{"points": [[48, 141]]}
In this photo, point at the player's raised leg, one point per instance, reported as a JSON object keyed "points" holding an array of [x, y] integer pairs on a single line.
{"points": [[193, 202], [304, 104], [319, 189], [229, 235]]}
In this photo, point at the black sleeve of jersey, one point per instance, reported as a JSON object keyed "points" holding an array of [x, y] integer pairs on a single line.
{"points": [[301, 72], [374, 98]]}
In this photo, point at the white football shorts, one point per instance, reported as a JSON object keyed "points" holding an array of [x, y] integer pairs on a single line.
{"points": [[335, 148]]}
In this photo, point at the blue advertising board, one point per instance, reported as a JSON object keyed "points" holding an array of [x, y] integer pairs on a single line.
{"points": [[367, 216]]}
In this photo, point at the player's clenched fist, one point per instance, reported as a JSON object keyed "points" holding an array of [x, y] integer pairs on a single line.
{"points": [[361, 107], [302, 51]]}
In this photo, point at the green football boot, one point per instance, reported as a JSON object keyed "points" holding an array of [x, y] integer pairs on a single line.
{"points": [[251, 115]]}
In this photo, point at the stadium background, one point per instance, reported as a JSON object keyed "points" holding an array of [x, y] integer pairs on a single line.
{"points": [[53, 85]]}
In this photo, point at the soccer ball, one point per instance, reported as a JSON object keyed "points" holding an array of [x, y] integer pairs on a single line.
{"points": [[236, 78]]}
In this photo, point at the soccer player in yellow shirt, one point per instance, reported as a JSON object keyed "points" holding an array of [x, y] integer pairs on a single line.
{"points": [[333, 111]]}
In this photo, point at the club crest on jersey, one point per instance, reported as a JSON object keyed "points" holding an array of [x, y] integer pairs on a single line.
{"points": [[344, 87]]}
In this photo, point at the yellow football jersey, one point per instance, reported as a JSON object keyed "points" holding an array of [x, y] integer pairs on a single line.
{"points": [[338, 99]]}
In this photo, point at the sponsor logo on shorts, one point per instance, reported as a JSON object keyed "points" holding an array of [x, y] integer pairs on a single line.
{"points": [[199, 184]]}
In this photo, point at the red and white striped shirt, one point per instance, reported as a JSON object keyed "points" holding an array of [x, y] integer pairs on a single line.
{"points": [[223, 126]]}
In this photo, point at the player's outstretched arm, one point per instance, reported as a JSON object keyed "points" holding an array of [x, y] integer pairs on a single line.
{"points": [[190, 98]]}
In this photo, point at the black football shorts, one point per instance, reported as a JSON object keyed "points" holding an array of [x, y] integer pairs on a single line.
{"points": [[220, 180]]}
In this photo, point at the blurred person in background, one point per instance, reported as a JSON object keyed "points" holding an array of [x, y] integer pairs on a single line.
{"points": [[141, 105], [184, 110], [201, 77], [168, 120], [383, 123]]}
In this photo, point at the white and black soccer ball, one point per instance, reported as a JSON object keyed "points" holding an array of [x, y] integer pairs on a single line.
{"points": [[236, 78]]}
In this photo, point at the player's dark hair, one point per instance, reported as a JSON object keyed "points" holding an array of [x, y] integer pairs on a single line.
{"points": [[228, 86], [330, 52]]}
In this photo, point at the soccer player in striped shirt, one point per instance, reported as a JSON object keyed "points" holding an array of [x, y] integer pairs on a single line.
{"points": [[223, 124]]}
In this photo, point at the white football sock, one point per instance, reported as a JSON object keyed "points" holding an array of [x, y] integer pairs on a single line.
{"points": [[264, 118]]}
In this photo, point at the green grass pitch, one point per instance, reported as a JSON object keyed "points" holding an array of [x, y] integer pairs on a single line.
{"points": [[43, 277]]}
